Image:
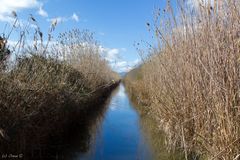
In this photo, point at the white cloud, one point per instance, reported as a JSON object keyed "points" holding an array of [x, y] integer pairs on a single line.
{"points": [[7, 6], [125, 66], [6, 18], [121, 64], [112, 55], [42, 12], [61, 19], [113, 51], [58, 19], [75, 17]]}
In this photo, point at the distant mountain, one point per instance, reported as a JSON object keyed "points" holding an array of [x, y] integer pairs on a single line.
{"points": [[122, 74]]}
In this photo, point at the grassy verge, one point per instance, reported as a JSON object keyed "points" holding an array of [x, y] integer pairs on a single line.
{"points": [[190, 83]]}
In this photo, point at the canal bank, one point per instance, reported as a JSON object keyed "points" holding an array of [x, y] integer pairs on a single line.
{"points": [[126, 132], [113, 128], [66, 132]]}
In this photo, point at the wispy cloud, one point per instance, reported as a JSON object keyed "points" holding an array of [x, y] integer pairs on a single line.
{"points": [[42, 12], [7, 6], [57, 19], [75, 17], [61, 19], [112, 55], [125, 66]]}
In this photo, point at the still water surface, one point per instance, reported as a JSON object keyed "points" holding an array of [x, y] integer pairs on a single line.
{"points": [[125, 131], [116, 130], [119, 136]]}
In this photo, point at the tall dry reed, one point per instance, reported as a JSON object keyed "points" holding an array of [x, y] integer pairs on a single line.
{"points": [[43, 82], [191, 81]]}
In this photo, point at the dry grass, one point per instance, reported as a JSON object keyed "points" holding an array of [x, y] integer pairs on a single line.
{"points": [[191, 81], [80, 50], [45, 84]]}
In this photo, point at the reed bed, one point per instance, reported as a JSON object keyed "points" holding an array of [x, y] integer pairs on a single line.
{"points": [[45, 86], [191, 80]]}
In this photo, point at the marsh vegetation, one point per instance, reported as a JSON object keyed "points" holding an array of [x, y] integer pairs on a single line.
{"points": [[46, 85], [189, 82]]}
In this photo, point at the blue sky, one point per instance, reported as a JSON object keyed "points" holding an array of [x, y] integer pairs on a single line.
{"points": [[117, 24]]}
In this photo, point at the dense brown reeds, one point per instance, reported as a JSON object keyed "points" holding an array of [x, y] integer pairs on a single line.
{"points": [[44, 87], [191, 81]]}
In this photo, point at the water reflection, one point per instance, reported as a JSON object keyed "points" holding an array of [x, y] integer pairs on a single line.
{"points": [[120, 135], [154, 137], [114, 131], [49, 141]]}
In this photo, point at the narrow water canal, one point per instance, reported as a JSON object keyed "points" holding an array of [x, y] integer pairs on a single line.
{"points": [[119, 135], [116, 130]]}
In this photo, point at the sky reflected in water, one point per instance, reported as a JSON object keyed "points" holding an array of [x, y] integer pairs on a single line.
{"points": [[119, 137]]}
